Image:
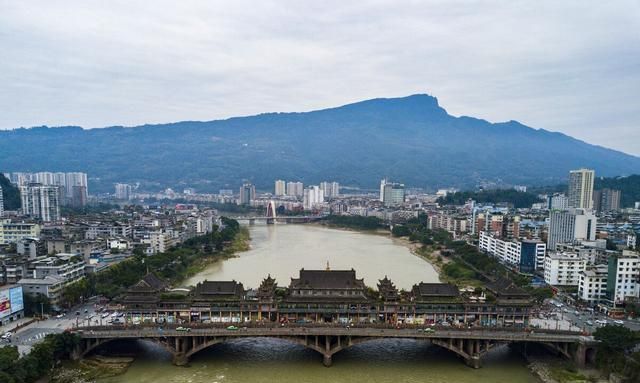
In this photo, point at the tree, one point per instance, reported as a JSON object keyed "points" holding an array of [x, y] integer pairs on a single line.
{"points": [[541, 293], [616, 338], [36, 304], [8, 357], [400, 231]]}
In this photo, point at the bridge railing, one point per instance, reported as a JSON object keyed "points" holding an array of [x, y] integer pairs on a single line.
{"points": [[478, 329]]}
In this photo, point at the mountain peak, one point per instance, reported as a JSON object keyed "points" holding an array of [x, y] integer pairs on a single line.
{"points": [[410, 139]]}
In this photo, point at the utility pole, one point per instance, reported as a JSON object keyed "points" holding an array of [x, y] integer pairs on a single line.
{"points": [[42, 310]]}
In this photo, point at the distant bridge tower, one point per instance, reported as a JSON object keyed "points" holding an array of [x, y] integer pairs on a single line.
{"points": [[271, 213]]}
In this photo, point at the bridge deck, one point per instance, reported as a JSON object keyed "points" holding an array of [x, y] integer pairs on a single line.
{"points": [[499, 335]]}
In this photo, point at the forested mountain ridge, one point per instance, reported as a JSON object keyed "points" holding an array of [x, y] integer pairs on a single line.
{"points": [[411, 140]]}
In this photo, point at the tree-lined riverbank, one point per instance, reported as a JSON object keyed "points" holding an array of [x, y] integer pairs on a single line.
{"points": [[174, 265]]}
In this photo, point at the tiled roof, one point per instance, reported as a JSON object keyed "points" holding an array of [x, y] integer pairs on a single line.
{"points": [[327, 279]]}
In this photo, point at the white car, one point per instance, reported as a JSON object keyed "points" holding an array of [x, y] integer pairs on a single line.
{"points": [[618, 321], [7, 335]]}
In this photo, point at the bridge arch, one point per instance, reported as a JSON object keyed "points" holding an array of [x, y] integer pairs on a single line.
{"points": [[327, 346], [91, 344]]}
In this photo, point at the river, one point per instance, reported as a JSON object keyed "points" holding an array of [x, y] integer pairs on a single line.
{"points": [[282, 250]]}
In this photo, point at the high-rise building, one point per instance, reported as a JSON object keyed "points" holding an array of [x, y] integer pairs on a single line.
{"points": [[606, 200], [330, 189], [40, 201], [623, 280], [382, 183], [75, 179], [79, 196], [581, 188], [123, 192], [1, 203], [557, 201], [280, 188], [566, 226], [392, 194], [247, 194], [313, 195], [295, 189]]}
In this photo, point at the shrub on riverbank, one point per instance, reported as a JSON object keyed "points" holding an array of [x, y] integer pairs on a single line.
{"points": [[355, 222]]}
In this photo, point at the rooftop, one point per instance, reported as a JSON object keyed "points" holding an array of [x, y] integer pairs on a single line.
{"points": [[327, 279]]}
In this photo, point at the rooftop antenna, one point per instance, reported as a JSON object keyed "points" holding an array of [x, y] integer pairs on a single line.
{"points": [[328, 268]]}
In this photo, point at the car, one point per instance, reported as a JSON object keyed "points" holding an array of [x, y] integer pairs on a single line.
{"points": [[105, 315], [590, 323], [429, 330], [232, 328], [7, 335], [86, 311], [618, 321], [186, 329], [60, 316]]}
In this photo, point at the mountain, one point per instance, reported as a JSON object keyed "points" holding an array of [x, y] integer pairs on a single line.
{"points": [[629, 188], [411, 140]]}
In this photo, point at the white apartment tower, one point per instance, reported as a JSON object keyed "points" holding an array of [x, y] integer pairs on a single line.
{"points": [[313, 195], [280, 188], [1, 203], [295, 189], [567, 226], [41, 202], [75, 179], [123, 192], [330, 189], [581, 188]]}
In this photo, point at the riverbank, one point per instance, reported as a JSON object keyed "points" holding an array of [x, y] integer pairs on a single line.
{"points": [[91, 369], [552, 370], [240, 243]]}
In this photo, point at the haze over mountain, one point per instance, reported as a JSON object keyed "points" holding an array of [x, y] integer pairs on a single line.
{"points": [[411, 140]]}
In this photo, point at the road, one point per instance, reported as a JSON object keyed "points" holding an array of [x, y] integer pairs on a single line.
{"points": [[27, 336], [568, 317]]}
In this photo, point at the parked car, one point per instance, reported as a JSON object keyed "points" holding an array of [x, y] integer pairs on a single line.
{"points": [[185, 329], [618, 321], [232, 328]]}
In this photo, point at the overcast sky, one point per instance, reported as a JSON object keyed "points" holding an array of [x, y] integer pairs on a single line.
{"points": [[565, 66]]}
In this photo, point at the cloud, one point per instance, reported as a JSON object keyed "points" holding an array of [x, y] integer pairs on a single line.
{"points": [[572, 67]]}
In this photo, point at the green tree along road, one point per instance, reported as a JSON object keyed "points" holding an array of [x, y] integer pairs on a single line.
{"points": [[35, 305], [39, 362], [514, 197], [614, 353], [173, 265]]}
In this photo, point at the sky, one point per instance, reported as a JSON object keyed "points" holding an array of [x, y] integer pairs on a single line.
{"points": [[567, 66]]}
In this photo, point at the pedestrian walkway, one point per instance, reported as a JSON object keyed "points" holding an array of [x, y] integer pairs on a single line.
{"points": [[12, 325]]}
